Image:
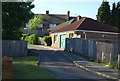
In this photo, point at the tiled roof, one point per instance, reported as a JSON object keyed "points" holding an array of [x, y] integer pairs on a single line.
{"points": [[54, 18], [90, 24], [61, 25], [87, 24], [72, 26]]}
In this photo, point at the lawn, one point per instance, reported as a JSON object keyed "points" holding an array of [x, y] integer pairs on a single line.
{"points": [[26, 68]]}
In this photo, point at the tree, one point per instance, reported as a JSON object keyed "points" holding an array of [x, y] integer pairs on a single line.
{"points": [[33, 23], [14, 16], [118, 15], [104, 13], [114, 15]]}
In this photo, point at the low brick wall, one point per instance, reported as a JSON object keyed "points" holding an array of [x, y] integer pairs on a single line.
{"points": [[6, 67], [13, 48]]}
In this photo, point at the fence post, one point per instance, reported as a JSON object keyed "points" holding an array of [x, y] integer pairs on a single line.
{"points": [[118, 60]]}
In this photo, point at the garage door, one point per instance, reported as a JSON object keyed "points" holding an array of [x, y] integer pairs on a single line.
{"points": [[62, 40]]}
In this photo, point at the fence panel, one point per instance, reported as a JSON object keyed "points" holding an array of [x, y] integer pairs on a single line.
{"points": [[103, 51], [14, 48]]}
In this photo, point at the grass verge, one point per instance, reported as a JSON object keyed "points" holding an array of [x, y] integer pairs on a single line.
{"points": [[26, 68]]}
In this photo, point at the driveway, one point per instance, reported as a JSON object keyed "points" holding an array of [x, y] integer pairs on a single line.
{"points": [[60, 66]]}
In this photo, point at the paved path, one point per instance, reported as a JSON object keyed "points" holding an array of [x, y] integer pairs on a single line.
{"points": [[55, 62]]}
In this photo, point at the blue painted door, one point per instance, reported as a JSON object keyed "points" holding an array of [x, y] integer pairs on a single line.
{"points": [[62, 40]]}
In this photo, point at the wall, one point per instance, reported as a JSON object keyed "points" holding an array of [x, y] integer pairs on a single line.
{"points": [[40, 32], [14, 48], [97, 35], [100, 50], [57, 45]]}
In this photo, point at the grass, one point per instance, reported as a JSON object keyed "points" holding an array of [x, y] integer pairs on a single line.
{"points": [[26, 68]]}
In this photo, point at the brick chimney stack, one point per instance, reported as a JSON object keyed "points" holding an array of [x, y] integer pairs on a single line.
{"points": [[68, 14], [47, 12], [78, 18]]}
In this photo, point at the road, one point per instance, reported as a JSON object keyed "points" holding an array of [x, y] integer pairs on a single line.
{"points": [[60, 66]]}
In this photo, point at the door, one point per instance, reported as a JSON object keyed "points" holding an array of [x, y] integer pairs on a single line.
{"points": [[62, 40]]}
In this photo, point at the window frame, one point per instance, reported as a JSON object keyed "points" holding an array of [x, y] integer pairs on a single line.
{"points": [[55, 39], [70, 35]]}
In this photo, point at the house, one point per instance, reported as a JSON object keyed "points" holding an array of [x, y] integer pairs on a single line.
{"points": [[50, 21], [82, 27]]}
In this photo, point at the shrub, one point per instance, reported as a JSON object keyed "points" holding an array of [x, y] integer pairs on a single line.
{"points": [[24, 36], [33, 39], [41, 40], [47, 40]]}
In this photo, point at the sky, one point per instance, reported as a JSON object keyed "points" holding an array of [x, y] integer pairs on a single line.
{"points": [[84, 8]]}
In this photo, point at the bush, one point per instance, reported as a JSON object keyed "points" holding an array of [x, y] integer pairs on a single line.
{"points": [[47, 40], [24, 36], [33, 39], [41, 40]]}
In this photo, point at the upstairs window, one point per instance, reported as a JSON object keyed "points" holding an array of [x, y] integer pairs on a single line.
{"points": [[40, 25], [52, 25]]}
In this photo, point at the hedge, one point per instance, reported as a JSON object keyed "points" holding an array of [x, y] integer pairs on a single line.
{"points": [[32, 39], [47, 40]]}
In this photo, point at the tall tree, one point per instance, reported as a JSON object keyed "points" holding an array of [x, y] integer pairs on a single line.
{"points": [[34, 22], [118, 14], [114, 14], [104, 13], [14, 15]]}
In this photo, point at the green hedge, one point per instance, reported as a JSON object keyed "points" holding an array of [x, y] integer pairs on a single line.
{"points": [[47, 40], [32, 39], [24, 36]]}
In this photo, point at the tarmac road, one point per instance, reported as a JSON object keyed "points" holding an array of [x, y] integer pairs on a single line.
{"points": [[61, 67]]}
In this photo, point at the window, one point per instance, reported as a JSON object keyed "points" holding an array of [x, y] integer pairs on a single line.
{"points": [[52, 25], [40, 25], [55, 38], [71, 35], [27, 25]]}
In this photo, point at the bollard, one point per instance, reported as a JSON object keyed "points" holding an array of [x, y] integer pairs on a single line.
{"points": [[118, 60]]}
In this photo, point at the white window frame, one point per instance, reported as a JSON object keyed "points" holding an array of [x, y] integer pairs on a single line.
{"points": [[55, 40]]}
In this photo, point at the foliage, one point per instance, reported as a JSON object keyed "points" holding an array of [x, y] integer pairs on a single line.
{"points": [[115, 15], [103, 14], [107, 16], [48, 40], [41, 40], [14, 16], [33, 39], [24, 36], [35, 21]]}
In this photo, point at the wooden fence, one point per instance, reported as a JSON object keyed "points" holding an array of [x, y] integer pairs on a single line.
{"points": [[107, 51], [14, 48]]}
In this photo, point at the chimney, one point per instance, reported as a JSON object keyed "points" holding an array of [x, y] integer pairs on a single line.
{"points": [[78, 18], [47, 12], [68, 14]]}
